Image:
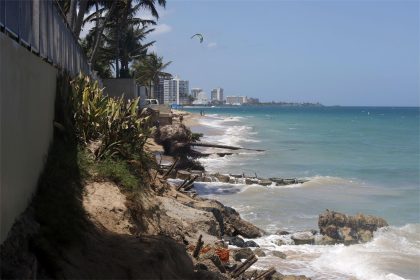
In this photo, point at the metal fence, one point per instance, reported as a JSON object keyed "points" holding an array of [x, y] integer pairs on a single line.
{"points": [[41, 26]]}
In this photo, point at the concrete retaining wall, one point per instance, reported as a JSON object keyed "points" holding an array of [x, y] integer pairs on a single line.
{"points": [[27, 94], [118, 87]]}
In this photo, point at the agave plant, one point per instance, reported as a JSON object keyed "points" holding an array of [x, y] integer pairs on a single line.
{"points": [[113, 124]]}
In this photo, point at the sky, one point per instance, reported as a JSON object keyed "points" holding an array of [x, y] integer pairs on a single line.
{"points": [[334, 52]]}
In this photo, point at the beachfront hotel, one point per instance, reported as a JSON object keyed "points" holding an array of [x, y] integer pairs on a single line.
{"points": [[175, 91], [217, 94], [195, 92], [236, 100]]}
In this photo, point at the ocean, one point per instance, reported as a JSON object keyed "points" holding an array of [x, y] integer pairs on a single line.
{"points": [[356, 159]]}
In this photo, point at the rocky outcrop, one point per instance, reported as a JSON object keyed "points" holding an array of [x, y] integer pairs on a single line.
{"points": [[229, 220], [304, 237], [242, 253], [340, 228], [279, 254]]}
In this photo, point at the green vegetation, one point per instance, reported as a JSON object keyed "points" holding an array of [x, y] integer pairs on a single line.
{"points": [[96, 138], [109, 127], [149, 69]]}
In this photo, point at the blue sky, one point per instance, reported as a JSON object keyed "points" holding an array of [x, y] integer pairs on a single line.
{"points": [[333, 52]]}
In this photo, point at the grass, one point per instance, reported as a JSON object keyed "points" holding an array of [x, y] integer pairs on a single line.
{"points": [[118, 171]]}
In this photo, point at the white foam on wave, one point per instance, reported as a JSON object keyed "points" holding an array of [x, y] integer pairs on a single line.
{"points": [[394, 253]]}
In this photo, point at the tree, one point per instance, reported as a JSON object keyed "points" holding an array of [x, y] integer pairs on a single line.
{"points": [[118, 33], [149, 69]]}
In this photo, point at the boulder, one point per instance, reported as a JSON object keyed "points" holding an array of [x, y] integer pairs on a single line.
{"points": [[242, 253], [251, 243], [282, 232], [183, 174], [223, 178], [265, 182], [304, 237], [279, 254], [341, 228], [279, 242], [236, 241], [229, 220], [250, 181], [259, 252]]}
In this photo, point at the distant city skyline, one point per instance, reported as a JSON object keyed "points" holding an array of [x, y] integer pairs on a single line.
{"points": [[332, 52]]}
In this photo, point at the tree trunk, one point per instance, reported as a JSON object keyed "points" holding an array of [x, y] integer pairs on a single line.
{"points": [[71, 13], [99, 33], [80, 16]]}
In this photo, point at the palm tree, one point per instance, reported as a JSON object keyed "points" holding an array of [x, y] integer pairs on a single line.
{"points": [[148, 70]]}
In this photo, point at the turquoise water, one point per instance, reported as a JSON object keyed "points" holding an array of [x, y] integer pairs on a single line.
{"points": [[357, 159]]}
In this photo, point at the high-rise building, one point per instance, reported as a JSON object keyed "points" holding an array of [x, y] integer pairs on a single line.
{"points": [[175, 91], [217, 94], [195, 92], [236, 100], [158, 89]]}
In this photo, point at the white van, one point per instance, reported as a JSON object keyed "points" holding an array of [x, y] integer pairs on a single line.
{"points": [[151, 102]]}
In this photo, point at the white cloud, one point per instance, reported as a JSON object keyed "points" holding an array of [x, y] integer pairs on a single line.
{"points": [[212, 45], [161, 29]]}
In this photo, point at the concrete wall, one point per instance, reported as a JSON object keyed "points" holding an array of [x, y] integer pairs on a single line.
{"points": [[27, 93], [117, 87]]}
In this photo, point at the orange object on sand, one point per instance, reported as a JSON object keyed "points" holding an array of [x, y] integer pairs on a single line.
{"points": [[223, 254]]}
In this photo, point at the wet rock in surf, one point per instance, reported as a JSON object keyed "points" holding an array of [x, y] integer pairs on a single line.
{"points": [[259, 252], [304, 237], [251, 243], [282, 232], [222, 178], [235, 241], [243, 253], [279, 254], [265, 182], [340, 228]]}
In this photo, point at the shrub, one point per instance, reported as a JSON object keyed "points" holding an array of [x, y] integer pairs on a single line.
{"points": [[111, 127]]}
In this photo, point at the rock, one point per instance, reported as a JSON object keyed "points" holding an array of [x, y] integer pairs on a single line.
{"points": [[259, 252], [293, 277], [279, 254], [305, 237], [232, 181], [364, 235], [183, 174], [282, 232], [236, 241], [251, 243], [207, 179], [223, 178], [349, 229], [279, 242], [242, 253], [229, 220], [265, 182], [250, 181]]}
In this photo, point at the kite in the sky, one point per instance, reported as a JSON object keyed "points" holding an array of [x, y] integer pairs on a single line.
{"points": [[200, 36]]}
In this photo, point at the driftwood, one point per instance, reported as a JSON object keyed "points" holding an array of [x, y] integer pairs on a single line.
{"points": [[190, 183], [266, 274], [198, 247], [210, 145], [171, 168], [183, 184], [218, 263], [244, 266]]}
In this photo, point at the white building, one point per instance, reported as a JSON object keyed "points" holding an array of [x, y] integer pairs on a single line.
{"points": [[175, 91], [201, 99], [195, 92], [236, 100], [158, 90], [217, 94]]}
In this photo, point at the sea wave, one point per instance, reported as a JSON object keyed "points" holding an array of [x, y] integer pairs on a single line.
{"points": [[394, 253]]}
